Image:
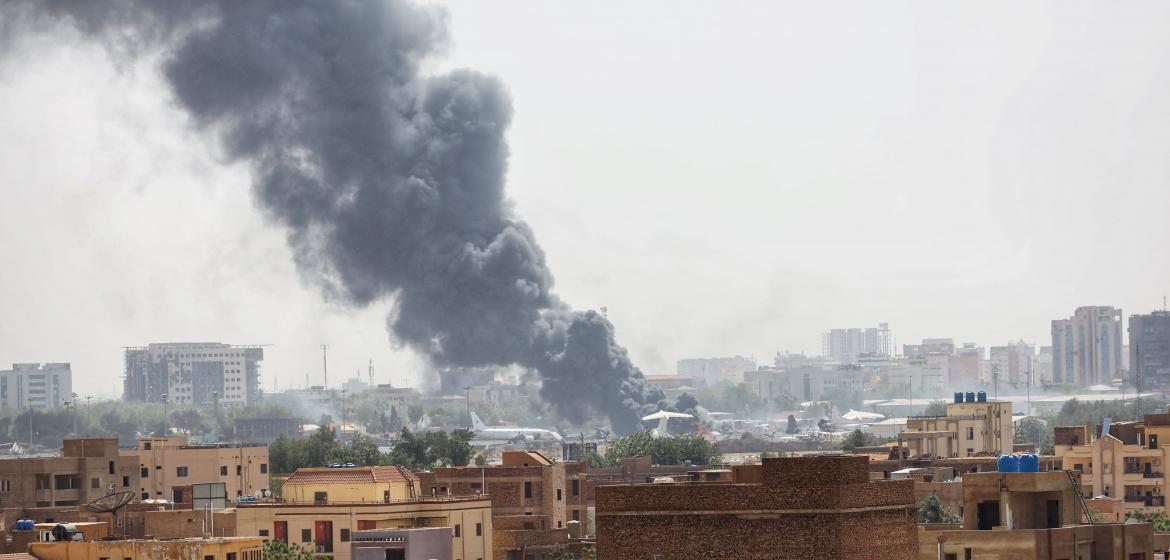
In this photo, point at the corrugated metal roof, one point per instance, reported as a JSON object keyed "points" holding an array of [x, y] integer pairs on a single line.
{"points": [[350, 475]]}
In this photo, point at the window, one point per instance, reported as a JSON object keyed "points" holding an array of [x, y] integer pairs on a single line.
{"points": [[5, 486], [111, 467], [320, 497], [146, 446], [576, 515], [558, 494], [306, 535], [209, 557], [527, 489], [223, 470], [345, 534], [970, 433], [950, 556], [231, 556], [576, 488], [263, 468], [457, 531], [181, 472], [125, 482], [144, 472], [95, 483], [239, 470], [146, 495], [966, 554], [479, 529], [558, 524]]}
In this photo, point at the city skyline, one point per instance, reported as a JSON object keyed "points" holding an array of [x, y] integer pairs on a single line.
{"points": [[841, 207]]}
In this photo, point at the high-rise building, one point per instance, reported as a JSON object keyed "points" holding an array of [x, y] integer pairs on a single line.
{"points": [[846, 345], [1013, 363], [35, 386], [1086, 348], [1149, 349], [199, 373]]}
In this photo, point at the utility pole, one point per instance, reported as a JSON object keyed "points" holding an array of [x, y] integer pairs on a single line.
{"points": [[325, 363], [467, 391], [995, 380]]}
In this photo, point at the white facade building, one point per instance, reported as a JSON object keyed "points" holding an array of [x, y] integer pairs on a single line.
{"points": [[193, 373], [36, 386], [845, 346]]}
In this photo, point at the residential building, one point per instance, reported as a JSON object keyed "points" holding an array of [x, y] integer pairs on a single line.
{"points": [[788, 508], [716, 371], [916, 375], [36, 386], [1087, 348], [87, 469], [168, 466], [964, 368], [1125, 460], [1035, 515], [327, 527], [202, 373], [231, 548], [804, 383], [1013, 363], [969, 429], [1042, 366], [1149, 350], [349, 484], [543, 494], [424, 543], [844, 346]]}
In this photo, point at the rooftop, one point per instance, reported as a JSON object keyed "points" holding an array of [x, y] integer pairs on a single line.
{"points": [[350, 475]]}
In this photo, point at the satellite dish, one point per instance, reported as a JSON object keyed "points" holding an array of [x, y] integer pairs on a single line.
{"points": [[110, 503]]}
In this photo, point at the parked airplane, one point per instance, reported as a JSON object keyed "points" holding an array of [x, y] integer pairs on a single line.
{"points": [[663, 417], [483, 432]]}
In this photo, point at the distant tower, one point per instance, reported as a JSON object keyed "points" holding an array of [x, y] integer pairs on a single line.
{"points": [[605, 311], [371, 373]]}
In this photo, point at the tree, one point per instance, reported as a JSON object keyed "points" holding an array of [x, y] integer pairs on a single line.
{"points": [[857, 438], [931, 510], [594, 461], [671, 450], [935, 408], [280, 550], [1158, 519]]}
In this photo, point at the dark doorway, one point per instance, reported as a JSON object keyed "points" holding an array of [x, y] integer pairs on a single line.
{"points": [[988, 515], [1053, 508]]}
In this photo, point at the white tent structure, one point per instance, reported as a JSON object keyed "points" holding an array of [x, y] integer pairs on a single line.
{"points": [[862, 417], [663, 416]]}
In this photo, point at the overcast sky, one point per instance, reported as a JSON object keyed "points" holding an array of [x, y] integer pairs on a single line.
{"points": [[730, 181]]}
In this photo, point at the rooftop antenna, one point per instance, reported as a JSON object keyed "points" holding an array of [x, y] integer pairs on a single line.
{"points": [[110, 503]]}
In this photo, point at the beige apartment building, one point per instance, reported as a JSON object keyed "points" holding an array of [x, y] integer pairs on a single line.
{"points": [[168, 466], [1127, 461], [969, 429], [87, 469], [351, 499]]}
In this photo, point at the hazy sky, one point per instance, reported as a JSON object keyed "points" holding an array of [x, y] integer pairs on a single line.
{"points": [[726, 181]]}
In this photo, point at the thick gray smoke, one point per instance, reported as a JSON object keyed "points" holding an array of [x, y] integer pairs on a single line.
{"points": [[390, 184]]}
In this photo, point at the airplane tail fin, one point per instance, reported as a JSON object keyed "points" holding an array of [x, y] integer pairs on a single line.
{"points": [[476, 422]]}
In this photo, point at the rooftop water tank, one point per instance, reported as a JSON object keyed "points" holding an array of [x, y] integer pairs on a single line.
{"points": [[981, 396], [1008, 463], [1029, 463], [970, 396], [958, 396]]}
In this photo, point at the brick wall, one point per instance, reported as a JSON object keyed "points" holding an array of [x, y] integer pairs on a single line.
{"points": [[814, 507]]}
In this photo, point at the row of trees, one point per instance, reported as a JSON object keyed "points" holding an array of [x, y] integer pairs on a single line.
{"points": [[414, 450], [672, 450]]}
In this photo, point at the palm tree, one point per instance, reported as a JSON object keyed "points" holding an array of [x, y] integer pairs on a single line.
{"points": [[857, 438]]}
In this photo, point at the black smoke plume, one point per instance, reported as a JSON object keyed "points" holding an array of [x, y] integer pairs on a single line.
{"points": [[390, 183]]}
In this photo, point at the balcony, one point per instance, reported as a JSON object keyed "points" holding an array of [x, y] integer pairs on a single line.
{"points": [[1152, 474], [1133, 469], [1148, 501]]}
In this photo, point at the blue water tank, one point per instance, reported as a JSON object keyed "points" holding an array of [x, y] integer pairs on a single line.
{"points": [[970, 396], [1008, 463], [1029, 463], [982, 396], [958, 396], [25, 524]]}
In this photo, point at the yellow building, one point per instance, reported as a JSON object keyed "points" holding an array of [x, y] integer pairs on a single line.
{"points": [[1127, 463], [349, 484], [327, 527], [232, 548], [968, 429], [169, 466]]}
